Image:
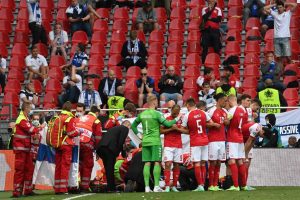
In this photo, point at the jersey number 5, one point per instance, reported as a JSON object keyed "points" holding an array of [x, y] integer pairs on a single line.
{"points": [[199, 126]]}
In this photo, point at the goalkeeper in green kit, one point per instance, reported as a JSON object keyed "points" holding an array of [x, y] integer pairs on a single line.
{"points": [[151, 143]]}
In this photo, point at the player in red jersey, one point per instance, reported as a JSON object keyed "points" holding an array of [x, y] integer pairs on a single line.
{"points": [[194, 123], [235, 145], [172, 153], [217, 138]]}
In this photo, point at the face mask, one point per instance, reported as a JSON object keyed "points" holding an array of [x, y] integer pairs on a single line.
{"points": [[78, 114], [35, 123]]}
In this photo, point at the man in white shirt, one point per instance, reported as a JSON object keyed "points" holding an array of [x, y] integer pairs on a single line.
{"points": [[282, 34], [28, 95], [59, 40], [37, 65], [2, 72], [89, 96]]}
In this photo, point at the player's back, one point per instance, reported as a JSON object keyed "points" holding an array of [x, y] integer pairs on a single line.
{"points": [[234, 133], [218, 115], [173, 138]]}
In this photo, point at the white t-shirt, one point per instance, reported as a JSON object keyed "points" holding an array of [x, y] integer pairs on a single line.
{"points": [[79, 84], [97, 102], [281, 24], [3, 63], [63, 36], [36, 63]]}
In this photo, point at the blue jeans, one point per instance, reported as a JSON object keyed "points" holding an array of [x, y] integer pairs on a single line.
{"points": [[169, 96], [81, 26]]}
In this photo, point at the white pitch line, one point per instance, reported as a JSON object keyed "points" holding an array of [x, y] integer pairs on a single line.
{"points": [[79, 196]]}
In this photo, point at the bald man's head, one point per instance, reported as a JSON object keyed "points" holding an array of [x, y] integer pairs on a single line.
{"points": [[111, 74], [171, 70]]}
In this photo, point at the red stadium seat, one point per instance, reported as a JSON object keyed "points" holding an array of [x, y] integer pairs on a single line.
{"points": [[4, 38], [13, 85], [23, 4], [173, 60], [56, 73], [162, 25], [196, 3], [234, 11], [194, 35], [295, 47], [99, 37], [253, 23], [46, 4], [47, 16], [250, 83], [15, 74], [193, 47], [120, 25], [141, 36], [252, 47], [80, 37], [288, 79], [47, 26], [190, 84], [103, 12], [50, 100], [178, 3], [97, 49], [196, 13], [293, 67], [221, 4], [251, 58], [5, 26], [131, 96], [3, 50], [11, 98], [190, 94], [174, 48], [251, 71], [235, 3], [212, 60], [133, 72], [253, 33], [118, 37], [118, 71], [156, 36], [96, 62], [100, 25], [8, 4], [269, 47], [154, 61], [38, 88], [53, 85], [161, 14], [154, 72], [21, 37], [5, 113], [22, 26], [114, 60], [115, 48], [234, 24], [57, 61], [178, 13], [234, 33], [294, 22], [233, 48], [62, 18], [176, 36], [134, 16], [6, 14], [192, 72], [193, 60], [63, 4], [95, 71], [291, 94], [269, 36], [155, 49], [42, 49], [121, 14], [17, 62], [251, 92], [295, 33], [176, 24], [19, 49]]}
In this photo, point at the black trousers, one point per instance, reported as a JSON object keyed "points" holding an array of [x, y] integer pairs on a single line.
{"points": [[38, 33], [2, 81], [210, 38], [187, 179], [128, 62], [109, 160]]}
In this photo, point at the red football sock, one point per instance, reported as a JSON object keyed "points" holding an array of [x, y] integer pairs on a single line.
{"points": [[211, 175], [234, 174], [167, 177], [198, 174], [242, 174], [176, 173], [216, 175], [203, 175]]}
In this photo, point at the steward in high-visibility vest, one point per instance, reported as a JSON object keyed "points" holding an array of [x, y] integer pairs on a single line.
{"points": [[23, 132], [226, 88], [269, 97], [90, 137], [116, 102]]}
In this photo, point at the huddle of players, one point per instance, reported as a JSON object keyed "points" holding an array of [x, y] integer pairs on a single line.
{"points": [[223, 129]]}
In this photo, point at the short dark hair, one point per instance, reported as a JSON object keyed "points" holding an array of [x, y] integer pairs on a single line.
{"points": [[130, 107], [207, 70], [245, 96], [176, 106], [229, 68], [81, 105], [225, 79], [67, 106], [191, 102], [94, 109], [34, 47], [219, 96], [256, 100], [279, 3], [81, 46], [205, 83], [200, 104]]}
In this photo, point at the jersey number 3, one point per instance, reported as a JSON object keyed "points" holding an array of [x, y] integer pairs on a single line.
{"points": [[199, 126]]}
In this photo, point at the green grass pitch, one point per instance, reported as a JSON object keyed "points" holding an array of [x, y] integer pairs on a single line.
{"points": [[262, 193]]}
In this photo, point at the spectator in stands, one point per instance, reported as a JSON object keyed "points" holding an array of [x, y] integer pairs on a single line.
{"points": [[59, 41], [145, 87], [282, 28], [105, 3], [2, 72], [233, 80], [271, 69], [28, 95], [72, 84], [90, 6], [108, 86], [170, 86], [146, 18], [125, 3], [210, 27], [267, 21], [225, 87], [206, 94], [133, 52], [79, 60], [165, 3], [209, 77], [35, 23], [90, 97], [37, 65], [252, 8], [292, 142], [79, 18], [271, 97]]}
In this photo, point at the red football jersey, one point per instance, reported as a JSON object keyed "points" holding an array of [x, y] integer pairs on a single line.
{"points": [[196, 120], [234, 133], [218, 116], [173, 138]]}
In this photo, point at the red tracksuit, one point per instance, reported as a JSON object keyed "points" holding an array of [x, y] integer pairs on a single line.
{"points": [[113, 121], [23, 160], [63, 155], [86, 159]]}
